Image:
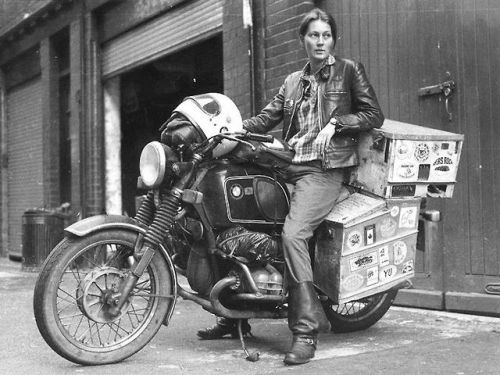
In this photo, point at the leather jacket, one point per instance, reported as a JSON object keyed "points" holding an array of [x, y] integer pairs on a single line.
{"points": [[344, 92]]}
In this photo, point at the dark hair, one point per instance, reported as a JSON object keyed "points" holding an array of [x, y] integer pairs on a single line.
{"points": [[318, 14]]}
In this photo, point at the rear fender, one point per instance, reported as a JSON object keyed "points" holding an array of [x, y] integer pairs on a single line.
{"points": [[98, 223]]}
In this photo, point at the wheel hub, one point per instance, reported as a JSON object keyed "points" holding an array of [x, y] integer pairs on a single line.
{"points": [[98, 294]]}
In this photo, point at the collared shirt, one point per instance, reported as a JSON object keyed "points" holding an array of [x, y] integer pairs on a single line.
{"points": [[308, 119]]}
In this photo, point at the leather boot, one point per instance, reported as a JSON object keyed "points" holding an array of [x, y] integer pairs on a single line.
{"points": [[302, 350], [306, 318], [223, 327]]}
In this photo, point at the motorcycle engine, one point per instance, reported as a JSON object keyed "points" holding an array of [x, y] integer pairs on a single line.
{"points": [[268, 280]]}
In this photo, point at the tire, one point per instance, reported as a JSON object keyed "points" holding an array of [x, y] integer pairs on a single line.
{"points": [[72, 298], [358, 315]]}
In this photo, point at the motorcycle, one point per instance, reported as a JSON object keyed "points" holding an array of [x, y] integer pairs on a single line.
{"points": [[213, 212]]}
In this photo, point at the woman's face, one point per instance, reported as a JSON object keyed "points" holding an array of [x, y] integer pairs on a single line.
{"points": [[318, 41]]}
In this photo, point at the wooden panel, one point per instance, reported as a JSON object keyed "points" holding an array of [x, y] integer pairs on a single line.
{"points": [[418, 43]]}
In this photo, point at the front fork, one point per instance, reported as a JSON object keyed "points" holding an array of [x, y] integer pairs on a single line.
{"points": [[156, 233]]}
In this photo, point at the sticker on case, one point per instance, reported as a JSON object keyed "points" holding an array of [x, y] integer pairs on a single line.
{"points": [[353, 282], [394, 211], [387, 273], [422, 152], [407, 170], [400, 251], [354, 240], [408, 217], [363, 261], [383, 256], [371, 276], [388, 227], [408, 267], [370, 235]]}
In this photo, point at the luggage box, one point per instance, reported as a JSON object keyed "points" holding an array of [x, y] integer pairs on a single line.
{"points": [[405, 160], [365, 246]]}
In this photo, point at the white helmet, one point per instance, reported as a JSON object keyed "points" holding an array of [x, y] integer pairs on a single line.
{"points": [[212, 114]]}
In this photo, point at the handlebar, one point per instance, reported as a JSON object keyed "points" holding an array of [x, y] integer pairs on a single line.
{"points": [[244, 137], [268, 138]]}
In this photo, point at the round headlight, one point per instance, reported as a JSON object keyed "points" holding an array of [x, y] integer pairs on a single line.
{"points": [[152, 164]]}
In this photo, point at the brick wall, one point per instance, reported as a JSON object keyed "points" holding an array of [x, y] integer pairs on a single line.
{"points": [[236, 44], [283, 52]]}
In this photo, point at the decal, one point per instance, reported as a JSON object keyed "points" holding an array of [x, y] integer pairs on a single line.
{"points": [[407, 170], [421, 152], [387, 273], [408, 267], [371, 276], [388, 227], [249, 190], [400, 251], [363, 261], [354, 240], [383, 255], [408, 217], [442, 164], [436, 147], [353, 282], [370, 234], [394, 211], [402, 151]]}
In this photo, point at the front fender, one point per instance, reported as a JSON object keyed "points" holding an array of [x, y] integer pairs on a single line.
{"points": [[101, 222]]}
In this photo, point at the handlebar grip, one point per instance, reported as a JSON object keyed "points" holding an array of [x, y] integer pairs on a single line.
{"points": [[260, 137]]}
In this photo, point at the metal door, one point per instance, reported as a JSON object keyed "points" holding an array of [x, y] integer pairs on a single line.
{"points": [[25, 157], [183, 26]]}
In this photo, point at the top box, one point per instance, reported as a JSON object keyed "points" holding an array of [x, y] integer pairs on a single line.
{"points": [[405, 160]]}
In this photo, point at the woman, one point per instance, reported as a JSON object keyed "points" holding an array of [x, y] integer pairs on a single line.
{"points": [[323, 108]]}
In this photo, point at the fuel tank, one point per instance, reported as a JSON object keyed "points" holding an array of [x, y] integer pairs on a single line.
{"points": [[242, 194]]}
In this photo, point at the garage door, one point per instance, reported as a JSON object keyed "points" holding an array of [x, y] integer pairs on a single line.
{"points": [[25, 147], [175, 30]]}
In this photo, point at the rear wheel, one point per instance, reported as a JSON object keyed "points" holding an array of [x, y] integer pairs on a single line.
{"points": [[360, 314], [77, 289]]}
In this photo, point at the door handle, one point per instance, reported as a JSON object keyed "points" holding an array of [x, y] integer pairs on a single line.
{"points": [[446, 88]]}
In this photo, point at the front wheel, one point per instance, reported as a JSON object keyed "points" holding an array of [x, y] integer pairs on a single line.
{"points": [[77, 288], [360, 314]]}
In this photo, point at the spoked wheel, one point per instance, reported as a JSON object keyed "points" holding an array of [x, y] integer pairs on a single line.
{"points": [[77, 290], [360, 314]]}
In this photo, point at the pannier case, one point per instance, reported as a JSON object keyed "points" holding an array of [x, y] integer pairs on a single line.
{"points": [[405, 160], [365, 246]]}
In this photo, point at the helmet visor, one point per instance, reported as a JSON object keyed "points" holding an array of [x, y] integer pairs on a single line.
{"points": [[208, 104]]}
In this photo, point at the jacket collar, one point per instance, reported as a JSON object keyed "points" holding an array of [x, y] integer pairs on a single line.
{"points": [[324, 72]]}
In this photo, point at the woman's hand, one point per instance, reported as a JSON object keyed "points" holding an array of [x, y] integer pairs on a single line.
{"points": [[324, 137]]}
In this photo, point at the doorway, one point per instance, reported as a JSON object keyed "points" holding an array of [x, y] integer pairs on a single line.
{"points": [[151, 92]]}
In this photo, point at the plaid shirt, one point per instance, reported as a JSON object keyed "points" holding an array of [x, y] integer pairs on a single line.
{"points": [[307, 119]]}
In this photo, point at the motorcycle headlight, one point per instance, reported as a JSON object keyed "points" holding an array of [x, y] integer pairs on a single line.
{"points": [[153, 163]]}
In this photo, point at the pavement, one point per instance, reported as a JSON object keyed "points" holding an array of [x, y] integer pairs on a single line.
{"points": [[405, 341]]}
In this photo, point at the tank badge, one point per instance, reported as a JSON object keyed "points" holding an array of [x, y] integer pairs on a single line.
{"points": [[236, 191]]}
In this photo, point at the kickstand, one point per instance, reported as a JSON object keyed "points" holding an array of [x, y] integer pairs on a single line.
{"points": [[254, 357]]}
